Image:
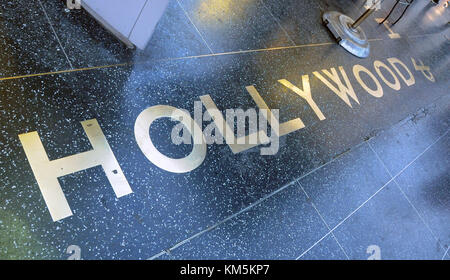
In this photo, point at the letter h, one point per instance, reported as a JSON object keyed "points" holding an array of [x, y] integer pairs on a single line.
{"points": [[47, 171]]}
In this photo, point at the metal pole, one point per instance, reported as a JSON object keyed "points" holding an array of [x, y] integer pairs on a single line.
{"points": [[364, 16]]}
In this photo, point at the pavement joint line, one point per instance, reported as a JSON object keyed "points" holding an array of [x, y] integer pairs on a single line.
{"points": [[173, 59], [323, 220], [285, 187], [345, 219], [354, 211], [64, 71], [278, 22], [56, 35], [406, 197], [162, 60], [423, 35], [198, 31], [443, 257], [291, 183]]}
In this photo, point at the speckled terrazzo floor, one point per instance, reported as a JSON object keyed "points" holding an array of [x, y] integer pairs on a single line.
{"points": [[370, 180]]}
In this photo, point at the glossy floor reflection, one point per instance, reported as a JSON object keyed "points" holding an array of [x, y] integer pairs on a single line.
{"points": [[366, 177]]}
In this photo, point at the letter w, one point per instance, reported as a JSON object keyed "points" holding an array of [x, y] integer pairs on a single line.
{"points": [[342, 90]]}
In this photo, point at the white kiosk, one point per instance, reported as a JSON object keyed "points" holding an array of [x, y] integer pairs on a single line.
{"points": [[132, 21]]}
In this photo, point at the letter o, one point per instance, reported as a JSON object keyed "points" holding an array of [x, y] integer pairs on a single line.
{"points": [[376, 93], [142, 135], [396, 85]]}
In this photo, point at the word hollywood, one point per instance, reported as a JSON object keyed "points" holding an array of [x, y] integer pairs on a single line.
{"points": [[48, 171]]}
